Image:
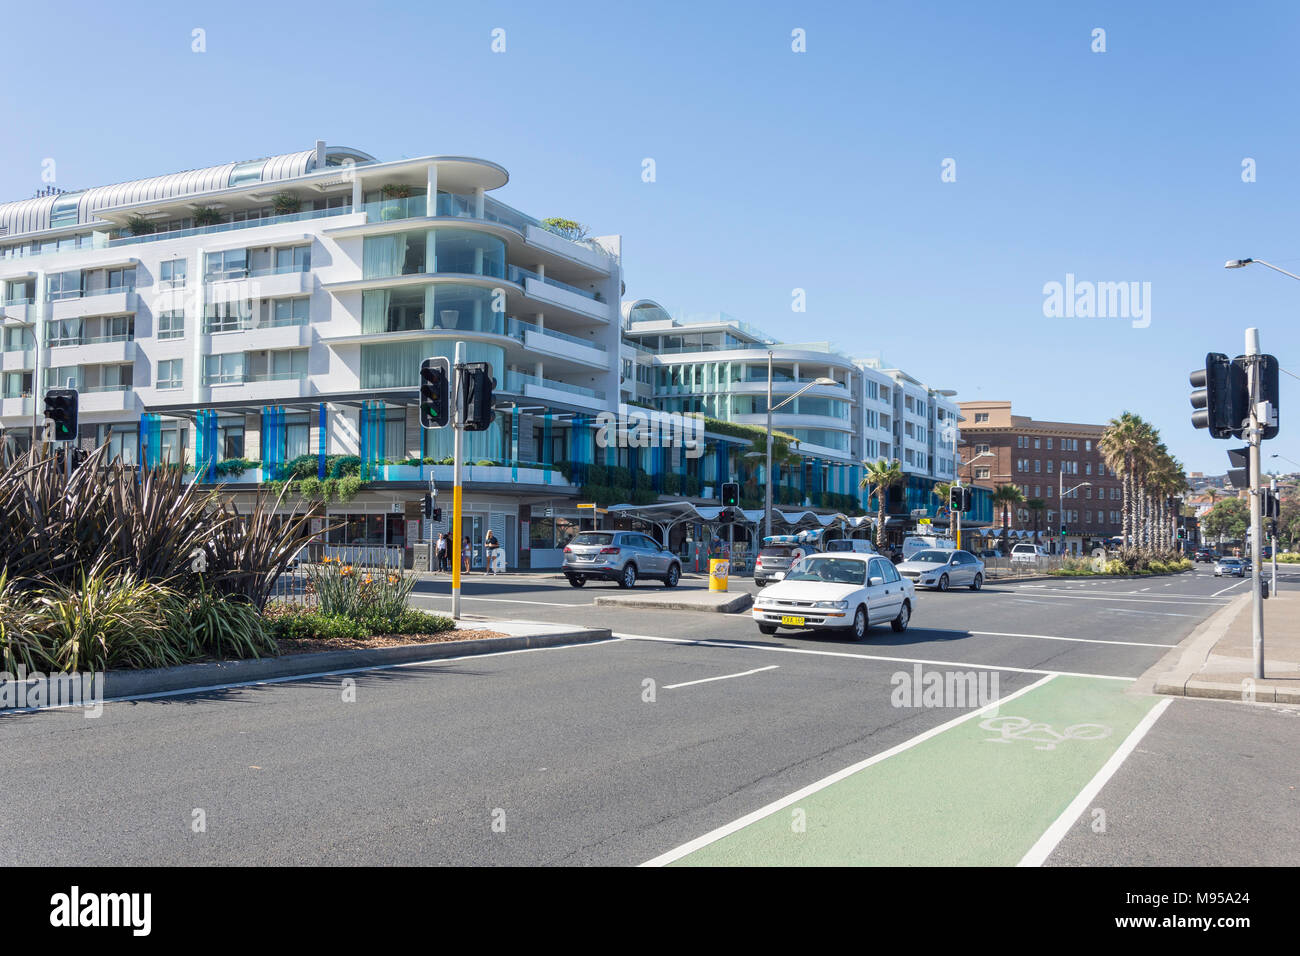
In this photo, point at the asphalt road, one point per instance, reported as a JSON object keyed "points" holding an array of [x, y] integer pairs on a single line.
{"points": [[636, 749]]}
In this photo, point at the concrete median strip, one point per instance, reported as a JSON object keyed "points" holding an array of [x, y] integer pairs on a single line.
{"points": [[198, 677]]}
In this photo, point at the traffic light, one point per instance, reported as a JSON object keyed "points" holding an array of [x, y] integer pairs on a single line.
{"points": [[959, 498], [1270, 506], [428, 506], [1268, 390], [730, 494], [1220, 397], [61, 410], [433, 393], [475, 393], [1182, 534], [437, 514]]}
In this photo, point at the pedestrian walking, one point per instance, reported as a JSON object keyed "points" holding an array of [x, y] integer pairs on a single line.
{"points": [[466, 551]]}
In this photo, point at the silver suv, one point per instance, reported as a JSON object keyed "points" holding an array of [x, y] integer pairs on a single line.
{"points": [[621, 556]]}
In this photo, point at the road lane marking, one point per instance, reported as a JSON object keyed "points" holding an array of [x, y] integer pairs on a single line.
{"points": [[867, 657], [1229, 588], [447, 597], [1041, 850], [706, 680], [1129, 610], [713, 836], [1082, 640], [1133, 600]]}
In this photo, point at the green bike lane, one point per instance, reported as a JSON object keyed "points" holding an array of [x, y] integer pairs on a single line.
{"points": [[980, 790]]}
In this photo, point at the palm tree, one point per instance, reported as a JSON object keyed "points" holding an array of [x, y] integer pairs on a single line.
{"points": [[1007, 497], [1119, 446], [879, 477], [1037, 510]]}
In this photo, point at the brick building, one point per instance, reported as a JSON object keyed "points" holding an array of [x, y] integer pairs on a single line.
{"points": [[999, 448]]}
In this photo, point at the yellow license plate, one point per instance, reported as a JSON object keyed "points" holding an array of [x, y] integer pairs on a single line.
{"points": [[792, 621]]}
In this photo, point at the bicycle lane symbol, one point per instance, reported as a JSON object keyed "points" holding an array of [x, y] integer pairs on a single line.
{"points": [[1012, 729]]}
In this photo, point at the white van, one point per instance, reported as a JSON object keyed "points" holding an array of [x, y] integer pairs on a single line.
{"points": [[921, 542], [855, 545]]}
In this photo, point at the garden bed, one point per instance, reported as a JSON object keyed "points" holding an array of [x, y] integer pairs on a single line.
{"points": [[312, 645]]}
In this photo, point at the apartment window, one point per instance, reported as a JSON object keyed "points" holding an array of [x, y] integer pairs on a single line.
{"points": [[1049, 466], [1087, 445], [290, 311], [293, 259], [122, 441], [1087, 468], [226, 316], [981, 417], [120, 280], [230, 264], [1038, 466], [18, 339], [981, 472], [291, 363], [1049, 444], [223, 369], [1038, 491], [18, 384], [1037, 443], [981, 449], [171, 273], [230, 437], [171, 324], [63, 285], [169, 373], [1049, 491]]}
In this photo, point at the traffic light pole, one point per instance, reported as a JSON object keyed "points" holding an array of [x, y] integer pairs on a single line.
{"points": [[453, 388], [1256, 501]]}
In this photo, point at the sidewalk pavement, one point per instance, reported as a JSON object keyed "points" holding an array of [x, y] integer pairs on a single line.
{"points": [[1217, 659]]}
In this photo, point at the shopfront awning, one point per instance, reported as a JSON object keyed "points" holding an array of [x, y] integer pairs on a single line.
{"points": [[666, 515]]}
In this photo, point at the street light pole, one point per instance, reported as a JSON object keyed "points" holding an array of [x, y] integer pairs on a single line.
{"points": [[1256, 498]]}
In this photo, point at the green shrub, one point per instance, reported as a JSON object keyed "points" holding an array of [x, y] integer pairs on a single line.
{"points": [[349, 487], [284, 622], [218, 626], [107, 620], [19, 643], [343, 465], [360, 593], [411, 621]]}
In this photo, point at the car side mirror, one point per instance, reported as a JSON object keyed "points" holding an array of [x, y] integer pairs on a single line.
{"points": [[876, 580]]}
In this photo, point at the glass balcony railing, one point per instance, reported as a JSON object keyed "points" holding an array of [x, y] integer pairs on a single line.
{"points": [[90, 340], [106, 388], [229, 226], [519, 274], [388, 210], [551, 333], [26, 301], [516, 381]]}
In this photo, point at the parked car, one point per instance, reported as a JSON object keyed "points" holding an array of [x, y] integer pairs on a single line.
{"points": [[620, 556], [944, 568], [773, 561], [985, 553], [837, 591], [1204, 556], [1234, 567], [1027, 553], [920, 542], [856, 545]]}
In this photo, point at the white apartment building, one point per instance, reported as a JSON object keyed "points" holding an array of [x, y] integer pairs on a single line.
{"points": [[266, 319]]}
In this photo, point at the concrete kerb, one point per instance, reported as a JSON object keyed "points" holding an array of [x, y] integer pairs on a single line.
{"points": [[197, 677], [1173, 674], [720, 602]]}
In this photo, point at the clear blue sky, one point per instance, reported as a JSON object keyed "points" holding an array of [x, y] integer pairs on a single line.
{"points": [[776, 170]]}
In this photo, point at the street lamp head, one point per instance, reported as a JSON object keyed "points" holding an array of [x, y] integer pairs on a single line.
{"points": [[825, 381], [1237, 263]]}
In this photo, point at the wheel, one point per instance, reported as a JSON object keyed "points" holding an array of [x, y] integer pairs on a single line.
{"points": [[860, 623], [674, 575], [767, 628], [977, 583], [899, 623], [943, 583], [628, 578], [577, 580]]}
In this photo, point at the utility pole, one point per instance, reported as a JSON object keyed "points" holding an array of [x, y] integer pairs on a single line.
{"points": [[767, 475], [458, 427], [1255, 431]]}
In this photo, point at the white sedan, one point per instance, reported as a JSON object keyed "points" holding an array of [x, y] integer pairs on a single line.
{"points": [[837, 591]]}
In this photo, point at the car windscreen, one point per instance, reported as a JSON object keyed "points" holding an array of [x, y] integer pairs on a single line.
{"points": [[830, 570], [775, 552], [930, 557], [845, 544], [590, 538]]}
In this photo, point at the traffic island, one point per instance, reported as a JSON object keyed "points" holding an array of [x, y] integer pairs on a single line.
{"points": [[1217, 659], [722, 602]]}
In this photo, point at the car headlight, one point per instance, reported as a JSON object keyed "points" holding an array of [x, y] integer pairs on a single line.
{"points": [[831, 605]]}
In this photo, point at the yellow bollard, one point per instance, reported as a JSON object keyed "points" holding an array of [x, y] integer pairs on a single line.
{"points": [[719, 568]]}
